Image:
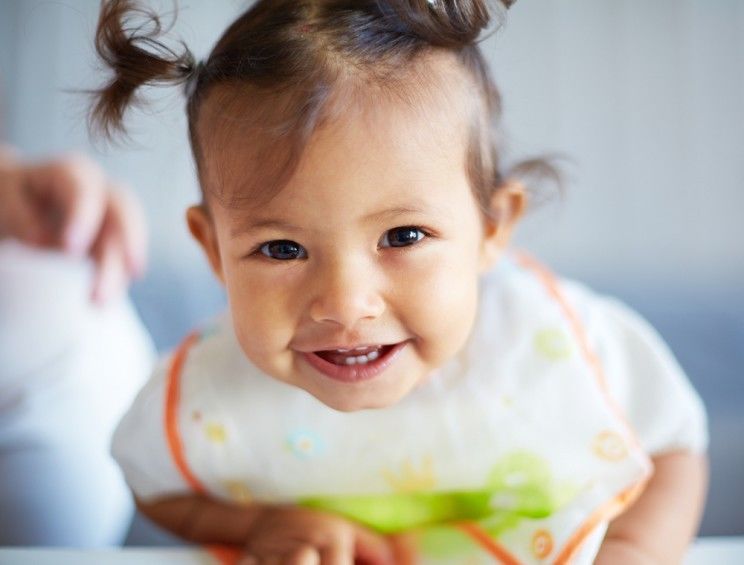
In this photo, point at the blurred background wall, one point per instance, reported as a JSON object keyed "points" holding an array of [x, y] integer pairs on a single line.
{"points": [[646, 100]]}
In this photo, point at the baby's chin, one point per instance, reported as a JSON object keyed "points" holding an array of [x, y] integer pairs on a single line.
{"points": [[359, 396], [350, 402]]}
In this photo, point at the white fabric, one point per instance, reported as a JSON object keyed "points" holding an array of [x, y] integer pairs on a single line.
{"points": [[68, 371], [521, 383], [642, 374]]}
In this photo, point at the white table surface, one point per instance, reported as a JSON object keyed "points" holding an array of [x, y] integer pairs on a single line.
{"points": [[711, 551], [705, 551]]}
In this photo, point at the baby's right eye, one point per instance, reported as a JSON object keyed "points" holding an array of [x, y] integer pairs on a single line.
{"points": [[283, 250]]}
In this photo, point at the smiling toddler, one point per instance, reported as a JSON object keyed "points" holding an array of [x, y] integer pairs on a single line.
{"points": [[390, 384]]}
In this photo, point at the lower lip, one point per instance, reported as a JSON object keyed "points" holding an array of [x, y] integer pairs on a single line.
{"points": [[355, 373]]}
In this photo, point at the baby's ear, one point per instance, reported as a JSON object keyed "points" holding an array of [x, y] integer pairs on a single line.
{"points": [[506, 207], [202, 228]]}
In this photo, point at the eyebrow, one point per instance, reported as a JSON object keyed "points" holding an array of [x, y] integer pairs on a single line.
{"points": [[263, 224], [394, 212], [379, 216]]}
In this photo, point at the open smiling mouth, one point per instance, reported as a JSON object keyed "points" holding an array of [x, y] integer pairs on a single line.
{"points": [[353, 365]]}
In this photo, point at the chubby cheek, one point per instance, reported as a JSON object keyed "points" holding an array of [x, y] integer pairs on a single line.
{"points": [[262, 321], [440, 307]]}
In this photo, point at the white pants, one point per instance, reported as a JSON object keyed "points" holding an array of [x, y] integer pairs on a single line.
{"points": [[68, 370]]}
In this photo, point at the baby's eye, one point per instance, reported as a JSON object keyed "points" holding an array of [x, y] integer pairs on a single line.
{"points": [[283, 250], [401, 237]]}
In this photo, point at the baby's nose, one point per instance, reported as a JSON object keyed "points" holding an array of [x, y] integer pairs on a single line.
{"points": [[346, 294]]}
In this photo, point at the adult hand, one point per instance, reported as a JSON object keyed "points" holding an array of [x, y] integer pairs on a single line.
{"points": [[69, 204]]}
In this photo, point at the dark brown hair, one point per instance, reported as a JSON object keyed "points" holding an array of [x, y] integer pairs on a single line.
{"points": [[290, 56]]}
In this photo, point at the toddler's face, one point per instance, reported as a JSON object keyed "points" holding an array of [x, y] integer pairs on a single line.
{"points": [[360, 277]]}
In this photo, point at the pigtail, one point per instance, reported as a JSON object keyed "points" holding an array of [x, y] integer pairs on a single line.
{"points": [[450, 24], [133, 51]]}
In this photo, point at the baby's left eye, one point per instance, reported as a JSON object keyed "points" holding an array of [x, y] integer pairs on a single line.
{"points": [[401, 237]]}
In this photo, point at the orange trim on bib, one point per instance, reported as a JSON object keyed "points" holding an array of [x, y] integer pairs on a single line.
{"points": [[614, 507], [606, 512], [486, 542], [172, 402], [551, 284]]}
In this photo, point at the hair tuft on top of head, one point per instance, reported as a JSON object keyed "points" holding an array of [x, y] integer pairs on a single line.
{"points": [[128, 41], [451, 24]]}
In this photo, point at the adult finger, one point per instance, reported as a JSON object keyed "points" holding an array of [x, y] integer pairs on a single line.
{"points": [[18, 217], [110, 277], [74, 193], [372, 548], [128, 219]]}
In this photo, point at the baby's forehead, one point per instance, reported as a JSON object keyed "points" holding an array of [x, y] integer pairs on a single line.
{"points": [[253, 140]]}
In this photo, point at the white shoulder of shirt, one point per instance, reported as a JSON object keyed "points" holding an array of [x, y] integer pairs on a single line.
{"points": [[140, 446], [641, 373]]}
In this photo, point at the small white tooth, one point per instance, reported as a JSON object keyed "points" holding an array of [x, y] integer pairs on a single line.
{"points": [[361, 359], [372, 355], [343, 350], [350, 360]]}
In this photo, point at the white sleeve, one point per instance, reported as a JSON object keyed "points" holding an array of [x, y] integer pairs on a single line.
{"points": [[140, 446], [642, 375]]}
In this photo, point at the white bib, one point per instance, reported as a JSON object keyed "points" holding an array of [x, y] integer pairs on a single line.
{"points": [[513, 451]]}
